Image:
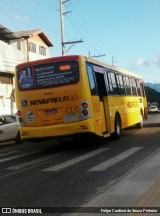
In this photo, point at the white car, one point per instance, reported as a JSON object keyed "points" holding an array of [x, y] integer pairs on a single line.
{"points": [[153, 110], [9, 129]]}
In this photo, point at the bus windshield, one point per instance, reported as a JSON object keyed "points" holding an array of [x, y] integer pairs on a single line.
{"points": [[48, 75]]}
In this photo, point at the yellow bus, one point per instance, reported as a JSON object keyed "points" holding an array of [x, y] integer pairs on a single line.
{"points": [[76, 95]]}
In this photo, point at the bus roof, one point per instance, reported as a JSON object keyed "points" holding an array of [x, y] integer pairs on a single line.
{"points": [[48, 60], [76, 57], [115, 68]]}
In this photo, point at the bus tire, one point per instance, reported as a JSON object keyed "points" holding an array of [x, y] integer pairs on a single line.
{"points": [[117, 127], [140, 124], [18, 139]]}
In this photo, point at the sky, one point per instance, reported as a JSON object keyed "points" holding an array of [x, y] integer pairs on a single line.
{"points": [[123, 32]]}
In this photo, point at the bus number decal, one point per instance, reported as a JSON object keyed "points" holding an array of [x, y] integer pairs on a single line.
{"points": [[72, 110], [132, 104]]}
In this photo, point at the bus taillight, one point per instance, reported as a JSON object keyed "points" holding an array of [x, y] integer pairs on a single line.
{"points": [[19, 113], [20, 116], [85, 111], [84, 105], [20, 119]]}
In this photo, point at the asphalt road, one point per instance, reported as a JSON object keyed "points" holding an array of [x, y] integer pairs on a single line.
{"points": [[121, 173]]}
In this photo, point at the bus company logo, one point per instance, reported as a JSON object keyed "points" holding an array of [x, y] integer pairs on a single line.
{"points": [[132, 104], [24, 103], [54, 100]]}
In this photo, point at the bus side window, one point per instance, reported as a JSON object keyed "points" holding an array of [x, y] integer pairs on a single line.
{"points": [[112, 83], [134, 87], [139, 88], [121, 89], [106, 81], [92, 80], [127, 85], [143, 90]]}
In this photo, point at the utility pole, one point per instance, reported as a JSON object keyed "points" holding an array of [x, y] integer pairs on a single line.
{"points": [[62, 26], [113, 60], [62, 29]]}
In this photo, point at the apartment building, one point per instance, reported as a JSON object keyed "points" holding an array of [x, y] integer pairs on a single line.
{"points": [[16, 48]]}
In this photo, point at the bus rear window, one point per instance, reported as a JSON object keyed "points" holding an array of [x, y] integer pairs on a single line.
{"points": [[48, 75]]}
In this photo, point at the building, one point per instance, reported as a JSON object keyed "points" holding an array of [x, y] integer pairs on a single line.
{"points": [[35, 44], [16, 48]]}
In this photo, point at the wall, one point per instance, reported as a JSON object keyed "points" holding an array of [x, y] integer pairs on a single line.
{"points": [[10, 55]]}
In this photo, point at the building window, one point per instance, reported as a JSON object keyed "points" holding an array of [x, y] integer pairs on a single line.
{"points": [[6, 78], [42, 50], [32, 47], [19, 45]]}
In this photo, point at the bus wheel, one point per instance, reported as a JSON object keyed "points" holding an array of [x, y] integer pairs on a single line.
{"points": [[140, 124], [18, 139], [117, 127]]}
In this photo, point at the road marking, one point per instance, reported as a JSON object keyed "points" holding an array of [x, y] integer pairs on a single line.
{"points": [[111, 196], [76, 160], [18, 156], [33, 162], [8, 153], [105, 165]]}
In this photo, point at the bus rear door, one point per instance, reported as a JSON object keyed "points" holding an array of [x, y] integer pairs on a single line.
{"points": [[98, 92], [101, 85]]}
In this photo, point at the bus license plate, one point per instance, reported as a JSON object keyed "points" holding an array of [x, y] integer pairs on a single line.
{"points": [[51, 111]]}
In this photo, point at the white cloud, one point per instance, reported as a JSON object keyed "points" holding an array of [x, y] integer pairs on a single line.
{"points": [[140, 63]]}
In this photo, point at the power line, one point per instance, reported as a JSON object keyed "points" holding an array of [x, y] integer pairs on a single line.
{"points": [[89, 31], [81, 27], [34, 22]]}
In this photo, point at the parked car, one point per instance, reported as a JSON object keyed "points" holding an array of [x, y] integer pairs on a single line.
{"points": [[9, 129], [153, 110]]}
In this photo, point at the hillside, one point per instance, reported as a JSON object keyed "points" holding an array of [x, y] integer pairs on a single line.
{"points": [[155, 86], [152, 95]]}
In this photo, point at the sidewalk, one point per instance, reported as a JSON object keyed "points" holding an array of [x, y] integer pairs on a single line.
{"points": [[140, 188]]}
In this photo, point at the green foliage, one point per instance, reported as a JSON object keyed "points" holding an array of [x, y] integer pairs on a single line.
{"points": [[153, 96]]}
